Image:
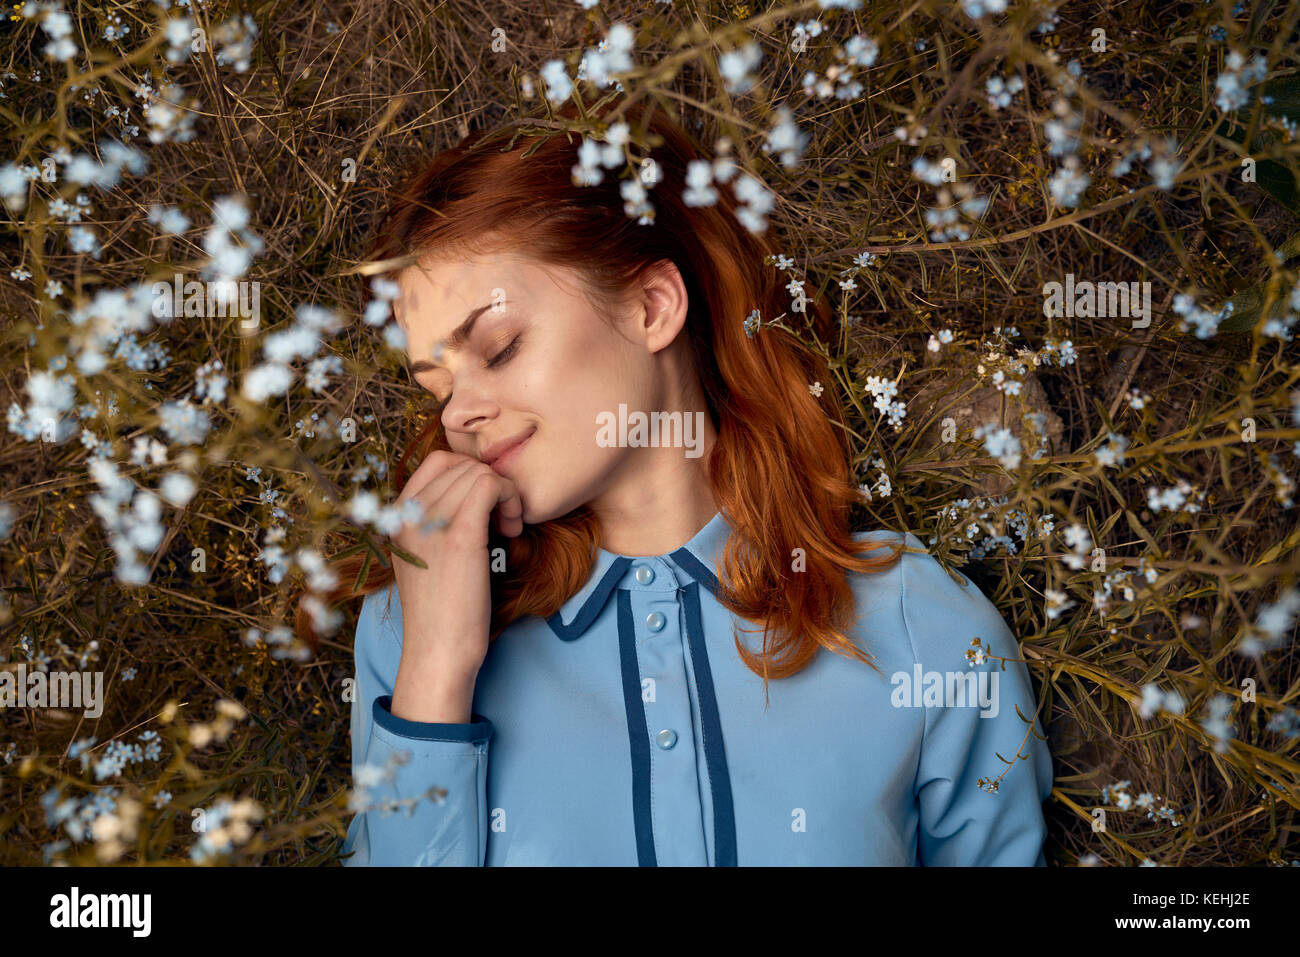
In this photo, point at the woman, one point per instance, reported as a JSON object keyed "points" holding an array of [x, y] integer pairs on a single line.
{"points": [[624, 476]]}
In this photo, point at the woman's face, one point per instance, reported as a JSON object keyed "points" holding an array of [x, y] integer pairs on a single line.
{"points": [[524, 353]]}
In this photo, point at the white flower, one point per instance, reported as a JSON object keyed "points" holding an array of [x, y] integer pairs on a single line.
{"points": [[1230, 87], [1001, 443], [364, 507], [1068, 183], [699, 192], [736, 66], [786, 139], [558, 85], [177, 487], [268, 379]]}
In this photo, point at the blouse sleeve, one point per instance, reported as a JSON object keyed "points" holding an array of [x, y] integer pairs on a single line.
{"points": [[410, 761], [959, 822]]}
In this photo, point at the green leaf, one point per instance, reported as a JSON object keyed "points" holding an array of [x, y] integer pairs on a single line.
{"points": [[1284, 91], [361, 575], [1248, 305], [1274, 178], [1289, 249], [407, 556], [1279, 182]]}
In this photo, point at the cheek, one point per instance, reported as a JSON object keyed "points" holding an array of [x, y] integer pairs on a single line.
{"points": [[574, 379]]}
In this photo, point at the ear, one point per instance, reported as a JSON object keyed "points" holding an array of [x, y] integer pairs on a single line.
{"points": [[663, 296]]}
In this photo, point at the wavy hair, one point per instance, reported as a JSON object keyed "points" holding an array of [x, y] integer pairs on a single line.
{"points": [[779, 468]]}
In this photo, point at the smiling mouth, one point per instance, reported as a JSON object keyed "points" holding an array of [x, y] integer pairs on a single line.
{"points": [[502, 463]]}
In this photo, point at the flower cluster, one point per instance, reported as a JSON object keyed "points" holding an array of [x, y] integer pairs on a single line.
{"points": [[1274, 622], [1285, 722], [222, 826], [1157, 809], [612, 55], [1000, 443], [1000, 89], [858, 51], [737, 67], [1111, 455], [1154, 701], [994, 516], [936, 342], [379, 311], [280, 641], [228, 712], [1080, 541], [786, 138], [301, 341], [943, 219], [700, 176], [57, 26], [1217, 723], [593, 155], [883, 485], [1069, 182], [1279, 326], [1205, 323], [231, 245], [235, 37], [1057, 603], [884, 391], [1284, 485], [118, 754], [1174, 499], [977, 653], [1230, 87]]}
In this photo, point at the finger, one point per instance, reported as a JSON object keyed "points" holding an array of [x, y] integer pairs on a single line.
{"points": [[437, 485], [504, 500], [469, 501], [509, 509], [441, 498], [506, 505], [455, 497], [434, 464]]}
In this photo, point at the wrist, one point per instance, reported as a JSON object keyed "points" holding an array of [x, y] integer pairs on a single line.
{"points": [[433, 697]]}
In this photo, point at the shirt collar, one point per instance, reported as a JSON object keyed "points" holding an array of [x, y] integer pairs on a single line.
{"points": [[696, 561]]}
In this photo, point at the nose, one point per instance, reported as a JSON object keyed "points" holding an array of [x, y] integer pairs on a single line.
{"points": [[467, 409]]}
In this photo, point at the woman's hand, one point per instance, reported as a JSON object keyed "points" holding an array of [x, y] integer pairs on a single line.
{"points": [[447, 608]]}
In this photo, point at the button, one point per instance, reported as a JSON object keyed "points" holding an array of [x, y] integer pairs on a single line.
{"points": [[655, 621], [666, 738], [645, 574]]}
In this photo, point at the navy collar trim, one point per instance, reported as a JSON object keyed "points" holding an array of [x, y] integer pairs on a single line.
{"points": [[694, 561]]}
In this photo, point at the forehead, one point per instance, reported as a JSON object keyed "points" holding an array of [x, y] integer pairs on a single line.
{"points": [[437, 292]]}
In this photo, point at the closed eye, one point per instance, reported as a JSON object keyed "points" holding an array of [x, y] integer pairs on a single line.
{"points": [[504, 355], [500, 358]]}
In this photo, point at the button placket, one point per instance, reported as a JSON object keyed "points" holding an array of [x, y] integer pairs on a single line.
{"points": [[677, 812]]}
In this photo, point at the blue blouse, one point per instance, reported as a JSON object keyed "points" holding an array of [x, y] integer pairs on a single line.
{"points": [[626, 730]]}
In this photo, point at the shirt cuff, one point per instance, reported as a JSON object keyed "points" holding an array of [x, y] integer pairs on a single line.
{"points": [[477, 731]]}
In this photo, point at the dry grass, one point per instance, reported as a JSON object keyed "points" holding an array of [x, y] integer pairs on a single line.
{"points": [[385, 84]]}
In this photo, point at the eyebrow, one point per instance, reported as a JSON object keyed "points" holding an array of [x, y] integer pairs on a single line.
{"points": [[459, 336]]}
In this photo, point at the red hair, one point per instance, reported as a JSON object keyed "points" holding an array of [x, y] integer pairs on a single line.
{"points": [[779, 469]]}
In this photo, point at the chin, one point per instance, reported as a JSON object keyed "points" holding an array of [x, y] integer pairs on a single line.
{"points": [[539, 508], [538, 514]]}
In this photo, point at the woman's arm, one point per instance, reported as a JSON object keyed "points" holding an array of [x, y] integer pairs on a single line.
{"points": [[960, 823], [442, 756]]}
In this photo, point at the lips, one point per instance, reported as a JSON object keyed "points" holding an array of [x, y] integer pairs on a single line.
{"points": [[500, 456]]}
